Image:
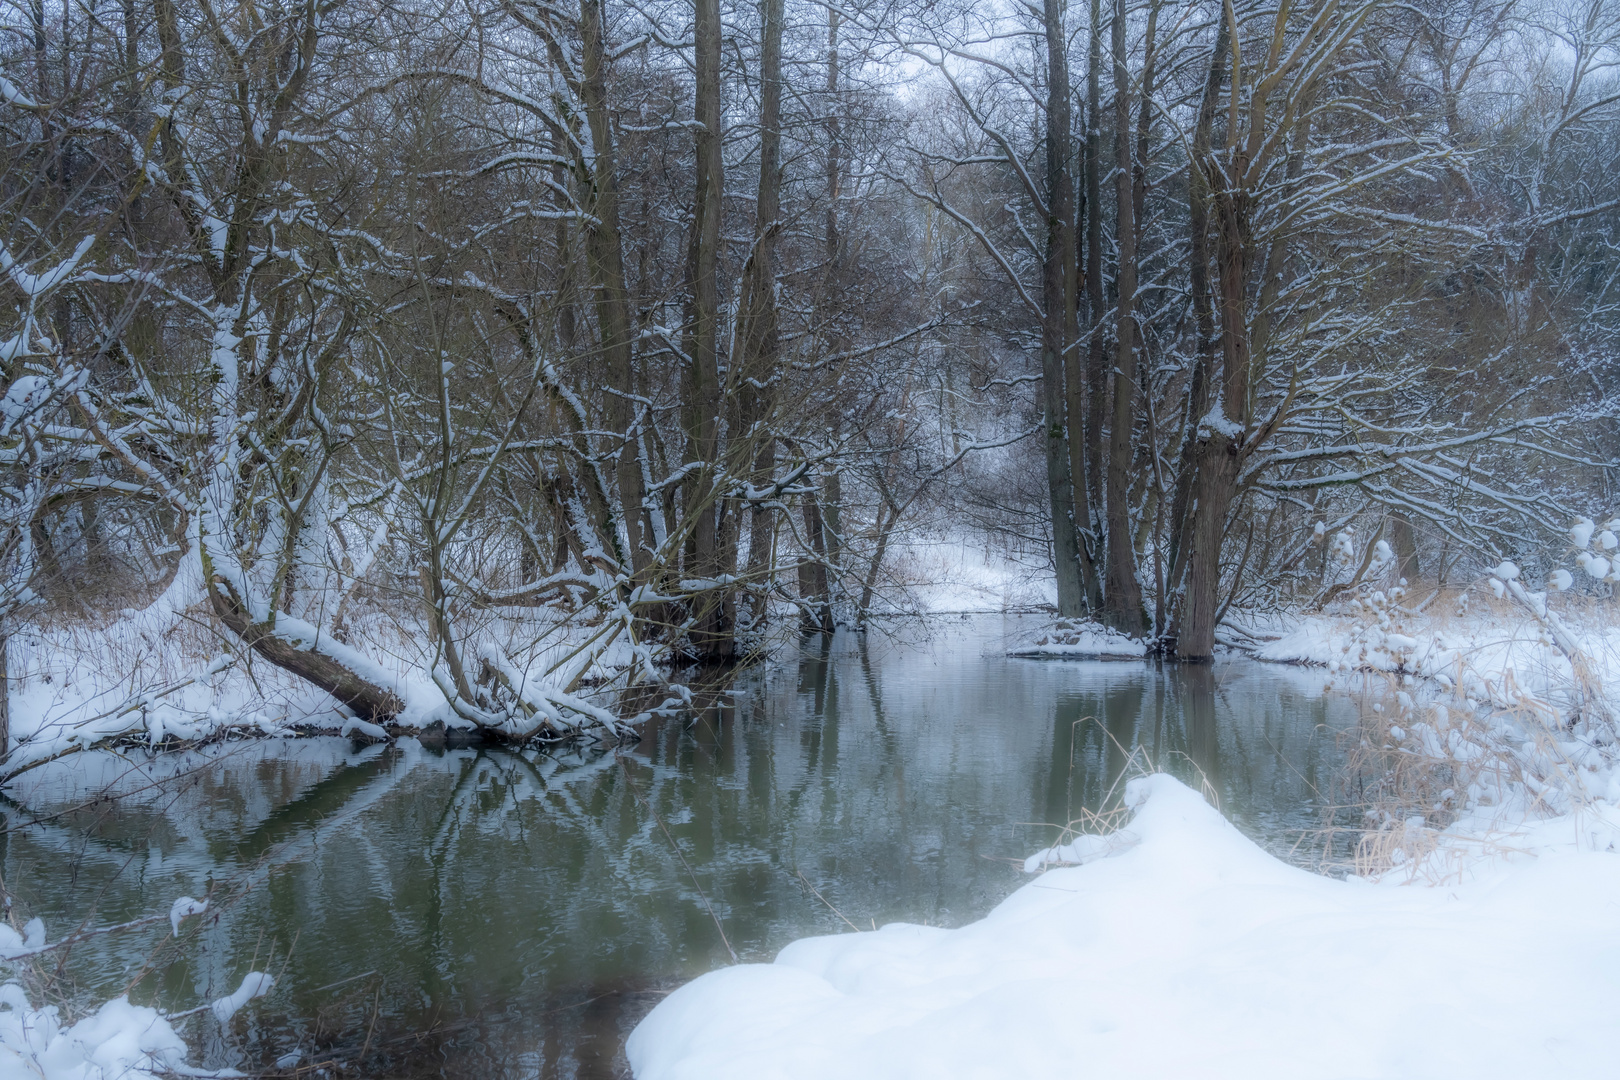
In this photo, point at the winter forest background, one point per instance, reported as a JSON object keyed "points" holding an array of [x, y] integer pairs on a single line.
{"points": [[478, 361]]}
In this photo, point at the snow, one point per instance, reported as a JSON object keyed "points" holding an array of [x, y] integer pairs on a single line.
{"points": [[182, 908], [255, 984], [1217, 420], [1078, 640], [13, 944], [1188, 952], [951, 571], [1493, 651], [119, 1041], [1580, 534]]}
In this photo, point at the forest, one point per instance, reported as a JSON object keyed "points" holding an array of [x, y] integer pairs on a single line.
{"points": [[525, 337]]}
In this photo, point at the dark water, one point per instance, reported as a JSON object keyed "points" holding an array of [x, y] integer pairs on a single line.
{"points": [[483, 913]]}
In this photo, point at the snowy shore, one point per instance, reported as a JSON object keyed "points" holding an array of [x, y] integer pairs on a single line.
{"points": [[1181, 950]]}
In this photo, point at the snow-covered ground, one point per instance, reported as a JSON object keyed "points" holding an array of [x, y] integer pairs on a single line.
{"points": [[152, 678], [1076, 639], [1183, 950], [954, 572], [120, 1040], [1490, 648]]}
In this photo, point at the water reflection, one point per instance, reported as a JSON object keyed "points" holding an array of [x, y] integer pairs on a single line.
{"points": [[475, 913]]}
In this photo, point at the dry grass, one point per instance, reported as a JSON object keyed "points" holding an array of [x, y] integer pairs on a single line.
{"points": [[1419, 761]]}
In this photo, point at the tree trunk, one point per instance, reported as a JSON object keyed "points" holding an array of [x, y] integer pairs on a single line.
{"points": [[5, 691], [1203, 319], [1122, 599], [813, 570], [1404, 542], [303, 658], [710, 632], [1057, 301], [1217, 469], [1222, 437], [835, 163], [1096, 360], [605, 260], [759, 333]]}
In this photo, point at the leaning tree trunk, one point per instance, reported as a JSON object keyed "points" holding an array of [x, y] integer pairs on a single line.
{"points": [[303, 658]]}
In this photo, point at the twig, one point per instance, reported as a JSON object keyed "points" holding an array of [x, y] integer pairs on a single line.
{"points": [[824, 900]]}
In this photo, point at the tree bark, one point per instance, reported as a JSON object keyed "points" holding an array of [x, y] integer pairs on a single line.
{"points": [[1096, 303], [711, 630], [605, 262], [5, 691], [1058, 300], [813, 570], [1122, 598], [760, 341], [368, 700], [1203, 319], [1404, 542]]}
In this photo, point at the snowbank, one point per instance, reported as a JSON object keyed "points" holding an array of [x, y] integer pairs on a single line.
{"points": [[1072, 639], [119, 1041], [1491, 654], [1183, 950]]}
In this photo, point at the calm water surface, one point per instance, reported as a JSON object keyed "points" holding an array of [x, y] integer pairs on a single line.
{"points": [[481, 913]]}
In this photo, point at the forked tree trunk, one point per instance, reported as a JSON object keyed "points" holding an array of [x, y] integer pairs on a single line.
{"points": [[1203, 322]]}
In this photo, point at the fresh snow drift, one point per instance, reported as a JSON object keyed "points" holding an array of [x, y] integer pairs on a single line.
{"points": [[1182, 950]]}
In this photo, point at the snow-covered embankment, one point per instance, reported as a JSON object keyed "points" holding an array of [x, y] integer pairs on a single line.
{"points": [[1180, 949]]}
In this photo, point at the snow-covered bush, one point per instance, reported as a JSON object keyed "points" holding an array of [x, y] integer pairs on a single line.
{"points": [[1500, 717]]}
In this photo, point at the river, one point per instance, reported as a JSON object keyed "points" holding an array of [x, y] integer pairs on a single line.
{"points": [[471, 912]]}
